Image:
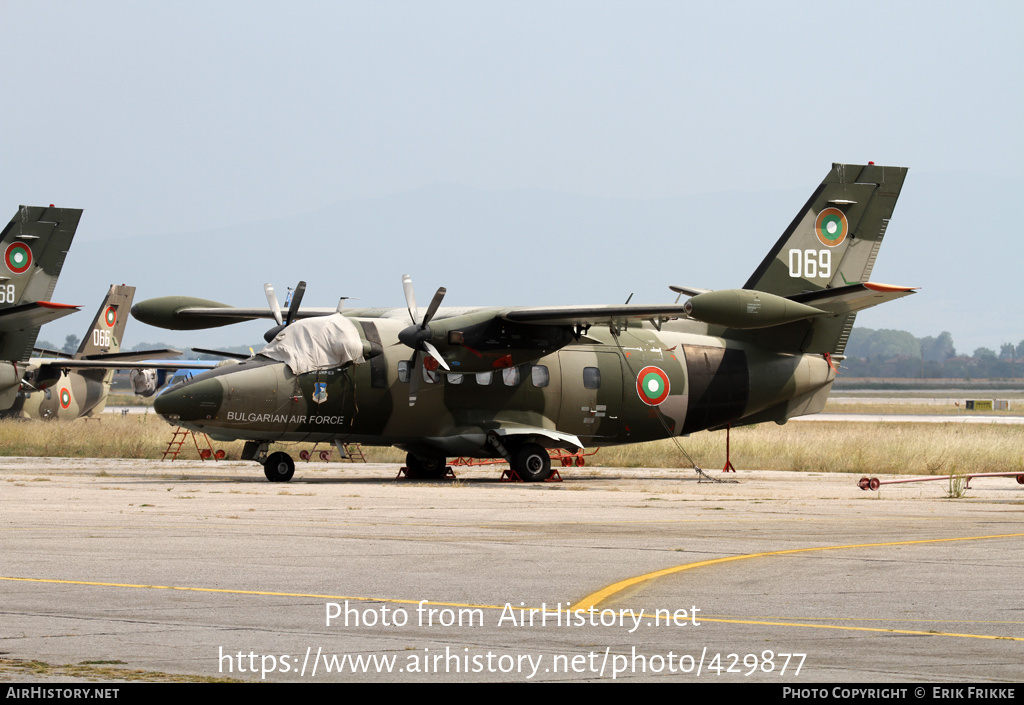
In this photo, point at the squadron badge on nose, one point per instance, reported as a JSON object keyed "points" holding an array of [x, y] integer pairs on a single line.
{"points": [[320, 392]]}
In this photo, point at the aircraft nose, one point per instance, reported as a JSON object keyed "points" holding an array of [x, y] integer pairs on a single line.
{"points": [[192, 401]]}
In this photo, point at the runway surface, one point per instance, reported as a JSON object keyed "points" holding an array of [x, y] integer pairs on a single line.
{"points": [[207, 569]]}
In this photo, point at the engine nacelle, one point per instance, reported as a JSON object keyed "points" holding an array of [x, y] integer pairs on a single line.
{"points": [[146, 383], [746, 308]]}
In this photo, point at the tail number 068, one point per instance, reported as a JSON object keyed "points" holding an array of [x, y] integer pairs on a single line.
{"points": [[810, 264]]}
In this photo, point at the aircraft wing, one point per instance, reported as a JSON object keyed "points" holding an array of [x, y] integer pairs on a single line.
{"points": [[594, 315], [121, 364], [135, 355], [248, 314], [33, 314], [852, 298]]}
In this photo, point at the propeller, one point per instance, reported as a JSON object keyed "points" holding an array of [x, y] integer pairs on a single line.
{"points": [[295, 299], [417, 336]]}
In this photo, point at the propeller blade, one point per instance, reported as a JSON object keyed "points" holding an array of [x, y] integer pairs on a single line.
{"points": [[275, 307], [436, 355], [293, 309], [434, 304], [410, 298]]}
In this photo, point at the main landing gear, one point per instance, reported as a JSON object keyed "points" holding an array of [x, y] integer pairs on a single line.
{"points": [[279, 467], [425, 467], [532, 463]]}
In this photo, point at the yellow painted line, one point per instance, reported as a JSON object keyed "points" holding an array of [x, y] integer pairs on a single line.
{"points": [[503, 608], [600, 596], [252, 592], [847, 628]]}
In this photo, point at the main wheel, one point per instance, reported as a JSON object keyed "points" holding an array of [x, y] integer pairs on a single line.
{"points": [[532, 463], [279, 467], [425, 467]]}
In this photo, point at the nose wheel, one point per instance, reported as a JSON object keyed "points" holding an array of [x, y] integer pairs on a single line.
{"points": [[279, 467]]}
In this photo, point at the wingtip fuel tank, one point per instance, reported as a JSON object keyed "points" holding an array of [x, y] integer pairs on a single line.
{"points": [[746, 308], [164, 312]]}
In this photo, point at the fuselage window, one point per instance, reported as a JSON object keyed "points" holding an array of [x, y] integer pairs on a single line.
{"points": [[540, 376], [484, 378], [431, 376], [455, 378], [510, 376], [403, 371], [591, 377]]}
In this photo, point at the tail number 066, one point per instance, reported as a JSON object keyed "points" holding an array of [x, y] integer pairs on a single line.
{"points": [[810, 264]]}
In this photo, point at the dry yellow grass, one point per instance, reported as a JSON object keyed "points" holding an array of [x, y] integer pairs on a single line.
{"points": [[863, 448]]}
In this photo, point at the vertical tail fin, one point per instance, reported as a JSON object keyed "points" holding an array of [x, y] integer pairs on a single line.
{"points": [[834, 239], [33, 246], [104, 336], [107, 327], [831, 243]]}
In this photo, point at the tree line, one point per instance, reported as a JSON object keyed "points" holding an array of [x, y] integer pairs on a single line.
{"points": [[897, 353]]}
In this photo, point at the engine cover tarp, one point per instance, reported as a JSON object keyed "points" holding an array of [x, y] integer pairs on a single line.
{"points": [[316, 344]]}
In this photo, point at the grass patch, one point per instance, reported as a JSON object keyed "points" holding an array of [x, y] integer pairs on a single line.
{"points": [[813, 446]]}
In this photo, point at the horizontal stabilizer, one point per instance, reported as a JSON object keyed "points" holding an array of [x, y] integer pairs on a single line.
{"points": [[853, 298], [33, 315]]}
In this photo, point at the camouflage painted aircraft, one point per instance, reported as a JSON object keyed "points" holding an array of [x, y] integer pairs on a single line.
{"points": [[513, 382], [34, 245], [72, 386]]}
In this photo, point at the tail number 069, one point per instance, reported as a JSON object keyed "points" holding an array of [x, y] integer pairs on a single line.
{"points": [[810, 264]]}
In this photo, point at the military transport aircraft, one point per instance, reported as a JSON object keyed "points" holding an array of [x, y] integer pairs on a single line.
{"points": [[71, 386], [512, 382], [34, 245]]}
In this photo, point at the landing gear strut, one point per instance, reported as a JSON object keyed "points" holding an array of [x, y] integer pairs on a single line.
{"points": [[279, 467]]}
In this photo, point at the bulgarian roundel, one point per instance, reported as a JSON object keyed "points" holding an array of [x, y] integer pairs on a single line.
{"points": [[65, 398], [18, 257], [110, 316], [652, 385], [831, 227]]}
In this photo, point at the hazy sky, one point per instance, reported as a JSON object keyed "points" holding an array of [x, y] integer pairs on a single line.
{"points": [[179, 117]]}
